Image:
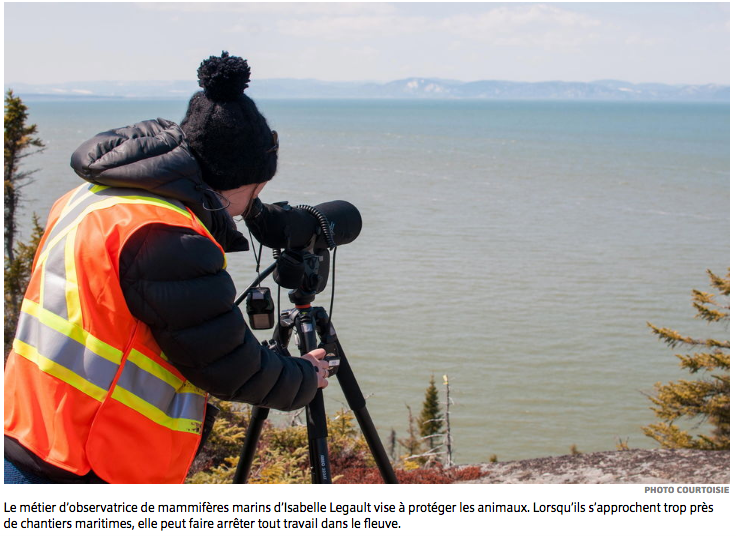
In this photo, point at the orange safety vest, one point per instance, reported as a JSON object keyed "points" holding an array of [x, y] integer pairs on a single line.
{"points": [[86, 385]]}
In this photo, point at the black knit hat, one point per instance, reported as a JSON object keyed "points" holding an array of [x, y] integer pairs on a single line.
{"points": [[229, 137]]}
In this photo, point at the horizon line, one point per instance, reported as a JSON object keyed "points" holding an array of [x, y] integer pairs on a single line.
{"points": [[368, 81]]}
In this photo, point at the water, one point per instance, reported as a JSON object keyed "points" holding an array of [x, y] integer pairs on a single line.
{"points": [[517, 247]]}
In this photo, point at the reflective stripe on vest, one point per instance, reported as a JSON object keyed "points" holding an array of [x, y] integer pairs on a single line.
{"points": [[50, 332], [93, 197], [67, 352]]}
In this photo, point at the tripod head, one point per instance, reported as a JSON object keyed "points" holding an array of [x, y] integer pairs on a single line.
{"points": [[304, 272], [304, 269], [316, 267]]}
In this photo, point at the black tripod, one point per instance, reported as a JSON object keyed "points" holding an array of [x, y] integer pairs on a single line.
{"points": [[310, 323]]}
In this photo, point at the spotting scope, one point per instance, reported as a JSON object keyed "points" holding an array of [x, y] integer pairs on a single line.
{"points": [[324, 226]]}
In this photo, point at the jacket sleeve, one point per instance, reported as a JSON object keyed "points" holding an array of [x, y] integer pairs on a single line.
{"points": [[173, 280]]}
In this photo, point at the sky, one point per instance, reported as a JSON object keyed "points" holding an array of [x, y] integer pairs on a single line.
{"points": [[673, 43]]}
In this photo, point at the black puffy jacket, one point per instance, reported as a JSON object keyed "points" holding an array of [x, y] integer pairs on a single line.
{"points": [[173, 279]]}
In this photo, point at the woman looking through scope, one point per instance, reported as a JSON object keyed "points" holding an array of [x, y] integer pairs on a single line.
{"points": [[129, 320]]}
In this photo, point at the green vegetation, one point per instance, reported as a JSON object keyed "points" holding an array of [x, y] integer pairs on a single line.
{"points": [[426, 433], [431, 419], [282, 456], [706, 398], [17, 274], [411, 444], [19, 144]]}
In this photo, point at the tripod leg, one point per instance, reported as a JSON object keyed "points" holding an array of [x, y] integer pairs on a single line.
{"points": [[280, 341], [316, 419], [317, 433], [356, 401], [257, 417]]}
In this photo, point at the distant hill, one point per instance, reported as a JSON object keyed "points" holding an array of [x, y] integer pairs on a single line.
{"points": [[409, 88]]}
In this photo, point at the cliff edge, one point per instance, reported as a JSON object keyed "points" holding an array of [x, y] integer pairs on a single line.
{"points": [[636, 466]]}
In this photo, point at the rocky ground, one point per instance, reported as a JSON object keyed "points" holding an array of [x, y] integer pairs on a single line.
{"points": [[635, 466]]}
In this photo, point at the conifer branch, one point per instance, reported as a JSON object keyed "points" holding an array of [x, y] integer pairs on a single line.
{"points": [[706, 399]]}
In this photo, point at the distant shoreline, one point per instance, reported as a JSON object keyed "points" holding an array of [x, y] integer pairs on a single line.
{"points": [[41, 97], [410, 89]]}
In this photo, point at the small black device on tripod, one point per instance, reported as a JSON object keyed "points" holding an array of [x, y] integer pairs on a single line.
{"points": [[305, 270]]}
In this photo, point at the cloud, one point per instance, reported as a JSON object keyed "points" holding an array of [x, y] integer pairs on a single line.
{"points": [[352, 27], [642, 40], [520, 25], [524, 25], [512, 18], [345, 63], [272, 8], [668, 42], [253, 28]]}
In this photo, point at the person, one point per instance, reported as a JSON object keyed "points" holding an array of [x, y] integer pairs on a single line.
{"points": [[129, 322]]}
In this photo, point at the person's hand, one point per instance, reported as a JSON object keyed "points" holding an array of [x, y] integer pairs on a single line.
{"points": [[316, 358]]}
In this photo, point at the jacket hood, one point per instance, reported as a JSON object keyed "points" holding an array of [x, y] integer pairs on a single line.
{"points": [[154, 156]]}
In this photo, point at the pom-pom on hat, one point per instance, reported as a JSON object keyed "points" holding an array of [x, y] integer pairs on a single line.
{"points": [[229, 137]]}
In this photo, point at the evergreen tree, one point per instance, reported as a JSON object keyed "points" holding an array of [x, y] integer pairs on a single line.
{"points": [[430, 420], [411, 444], [707, 397], [17, 274], [19, 140]]}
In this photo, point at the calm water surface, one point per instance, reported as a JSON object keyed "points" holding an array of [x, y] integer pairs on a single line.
{"points": [[517, 247]]}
